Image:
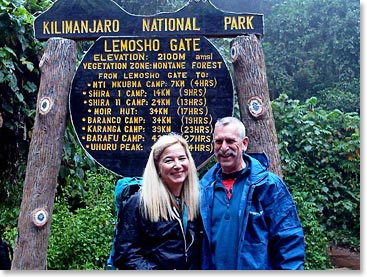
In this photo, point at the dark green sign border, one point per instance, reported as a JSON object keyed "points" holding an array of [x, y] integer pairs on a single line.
{"points": [[91, 19]]}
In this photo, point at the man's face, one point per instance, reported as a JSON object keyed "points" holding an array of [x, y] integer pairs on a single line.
{"points": [[228, 148]]}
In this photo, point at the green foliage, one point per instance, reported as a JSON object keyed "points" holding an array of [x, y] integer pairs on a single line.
{"points": [[138, 7], [9, 216], [343, 96], [75, 162], [81, 239], [19, 80], [315, 236], [320, 153], [312, 46]]}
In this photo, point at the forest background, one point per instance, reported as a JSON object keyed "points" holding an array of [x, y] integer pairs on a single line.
{"points": [[312, 56]]}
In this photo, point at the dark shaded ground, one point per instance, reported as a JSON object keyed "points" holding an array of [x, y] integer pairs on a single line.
{"points": [[342, 258]]}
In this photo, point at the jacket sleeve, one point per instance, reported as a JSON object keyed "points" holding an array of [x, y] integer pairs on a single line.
{"points": [[286, 237], [129, 252]]}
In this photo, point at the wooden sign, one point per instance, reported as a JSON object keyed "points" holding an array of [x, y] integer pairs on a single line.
{"points": [[128, 91], [146, 76], [91, 19]]}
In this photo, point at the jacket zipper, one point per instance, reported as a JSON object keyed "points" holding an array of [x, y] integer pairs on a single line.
{"points": [[250, 193], [177, 216]]}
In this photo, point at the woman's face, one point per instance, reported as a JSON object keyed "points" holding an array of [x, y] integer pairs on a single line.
{"points": [[174, 167]]}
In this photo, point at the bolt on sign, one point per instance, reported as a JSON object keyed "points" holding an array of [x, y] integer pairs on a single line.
{"points": [[146, 76]]}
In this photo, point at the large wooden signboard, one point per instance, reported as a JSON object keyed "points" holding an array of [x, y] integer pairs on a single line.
{"points": [[146, 76], [128, 91]]}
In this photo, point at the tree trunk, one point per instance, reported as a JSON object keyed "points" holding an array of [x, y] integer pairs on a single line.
{"points": [[253, 97], [57, 70]]}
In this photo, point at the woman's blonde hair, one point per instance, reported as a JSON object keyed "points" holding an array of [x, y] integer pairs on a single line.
{"points": [[157, 202]]}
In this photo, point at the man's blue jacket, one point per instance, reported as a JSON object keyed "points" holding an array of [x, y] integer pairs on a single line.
{"points": [[271, 235]]}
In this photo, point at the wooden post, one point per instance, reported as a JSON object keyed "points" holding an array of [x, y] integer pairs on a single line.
{"points": [[253, 97], [44, 158]]}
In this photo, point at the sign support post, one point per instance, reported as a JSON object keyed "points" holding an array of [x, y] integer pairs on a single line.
{"points": [[57, 69], [253, 96]]}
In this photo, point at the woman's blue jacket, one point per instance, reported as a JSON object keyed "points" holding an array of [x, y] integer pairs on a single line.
{"points": [[271, 235]]}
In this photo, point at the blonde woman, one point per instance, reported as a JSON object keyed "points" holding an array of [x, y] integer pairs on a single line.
{"points": [[160, 226]]}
